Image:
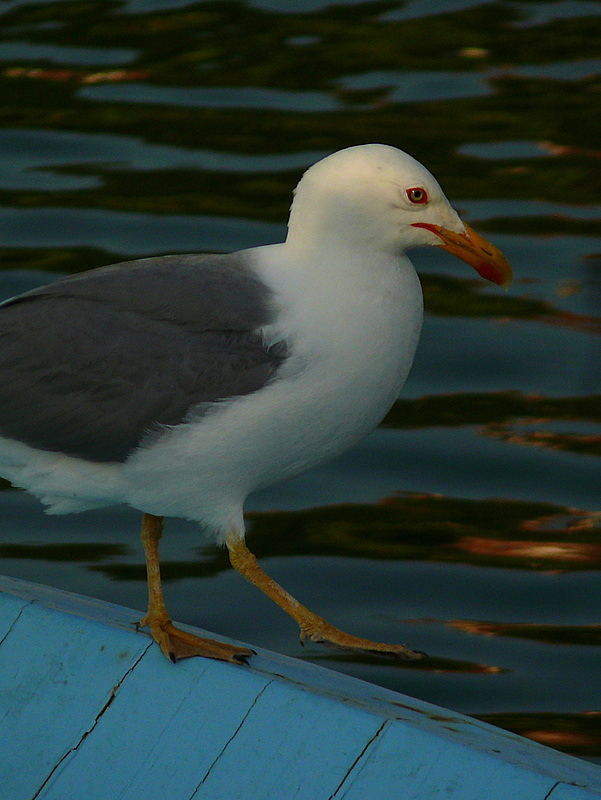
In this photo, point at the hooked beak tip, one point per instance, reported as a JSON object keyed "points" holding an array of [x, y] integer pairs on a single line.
{"points": [[488, 261]]}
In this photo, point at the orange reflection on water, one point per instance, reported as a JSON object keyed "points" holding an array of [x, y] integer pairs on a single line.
{"points": [[571, 552], [475, 627], [583, 443], [77, 76], [573, 521], [563, 740], [588, 635]]}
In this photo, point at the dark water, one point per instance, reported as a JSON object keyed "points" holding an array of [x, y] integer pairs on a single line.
{"points": [[468, 524]]}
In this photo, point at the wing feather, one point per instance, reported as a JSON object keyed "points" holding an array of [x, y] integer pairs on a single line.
{"points": [[89, 365]]}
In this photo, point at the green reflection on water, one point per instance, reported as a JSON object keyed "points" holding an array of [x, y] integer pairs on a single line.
{"points": [[74, 552], [511, 417], [239, 46], [413, 527], [480, 408]]}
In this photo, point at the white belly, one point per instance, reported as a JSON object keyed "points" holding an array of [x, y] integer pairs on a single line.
{"points": [[350, 354], [346, 370]]}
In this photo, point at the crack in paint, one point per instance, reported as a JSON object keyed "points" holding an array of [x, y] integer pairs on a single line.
{"points": [[231, 739], [85, 734], [551, 790], [5, 637], [549, 795], [16, 619], [358, 759]]}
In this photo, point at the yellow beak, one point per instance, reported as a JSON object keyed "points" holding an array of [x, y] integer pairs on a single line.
{"points": [[475, 250]]}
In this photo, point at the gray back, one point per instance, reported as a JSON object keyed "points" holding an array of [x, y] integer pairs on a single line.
{"points": [[91, 364]]}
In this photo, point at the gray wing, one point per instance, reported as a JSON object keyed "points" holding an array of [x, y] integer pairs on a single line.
{"points": [[90, 364]]}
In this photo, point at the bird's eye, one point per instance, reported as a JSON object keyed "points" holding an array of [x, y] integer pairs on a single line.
{"points": [[417, 195]]}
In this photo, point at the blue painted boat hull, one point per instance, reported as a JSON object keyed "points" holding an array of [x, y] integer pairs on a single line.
{"points": [[89, 708]]}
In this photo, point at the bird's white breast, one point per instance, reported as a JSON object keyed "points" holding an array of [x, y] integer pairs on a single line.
{"points": [[351, 340]]}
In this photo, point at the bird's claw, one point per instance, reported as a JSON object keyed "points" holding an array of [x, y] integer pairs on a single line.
{"points": [[176, 644], [330, 636]]}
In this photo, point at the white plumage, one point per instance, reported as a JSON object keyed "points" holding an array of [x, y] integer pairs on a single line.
{"points": [[345, 303]]}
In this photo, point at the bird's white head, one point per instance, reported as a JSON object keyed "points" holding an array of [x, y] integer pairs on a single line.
{"points": [[377, 198]]}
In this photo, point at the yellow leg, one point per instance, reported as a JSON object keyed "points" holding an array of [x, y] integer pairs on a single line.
{"points": [[311, 626], [175, 643]]}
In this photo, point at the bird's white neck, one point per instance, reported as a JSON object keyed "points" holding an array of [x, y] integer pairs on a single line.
{"points": [[357, 310], [328, 223]]}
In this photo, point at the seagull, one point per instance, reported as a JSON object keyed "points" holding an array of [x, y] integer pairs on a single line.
{"points": [[180, 384]]}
